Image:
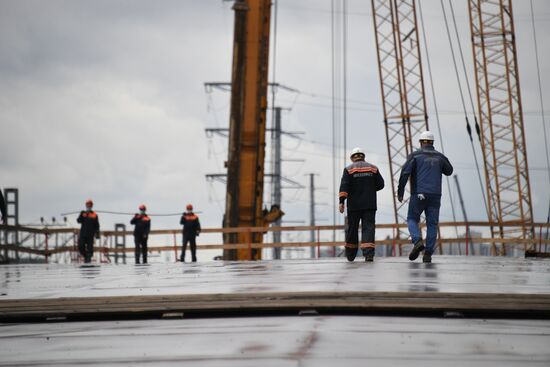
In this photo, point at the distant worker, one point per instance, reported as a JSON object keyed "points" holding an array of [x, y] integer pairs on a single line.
{"points": [[89, 229], [3, 209], [142, 223], [191, 229], [424, 167], [360, 182]]}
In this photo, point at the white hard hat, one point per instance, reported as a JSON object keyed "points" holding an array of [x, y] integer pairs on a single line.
{"points": [[427, 135], [357, 150]]}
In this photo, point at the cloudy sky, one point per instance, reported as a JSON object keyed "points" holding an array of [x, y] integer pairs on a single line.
{"points": [[105, 99]]}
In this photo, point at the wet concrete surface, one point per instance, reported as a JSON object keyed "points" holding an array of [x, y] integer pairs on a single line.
{"points": [[322, 340], [446, 274], [280, 341]]}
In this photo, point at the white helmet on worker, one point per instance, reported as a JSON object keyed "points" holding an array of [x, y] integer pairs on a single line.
{"points": [[427, 135], [356, 151]]}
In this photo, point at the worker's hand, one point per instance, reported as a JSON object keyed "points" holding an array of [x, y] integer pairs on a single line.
{"points": [[341, 208], [198, 232], [400, 198]]}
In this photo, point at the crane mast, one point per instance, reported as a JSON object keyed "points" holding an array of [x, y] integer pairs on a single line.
{"points": [[401, 84], [247, 126], [501, 118]]}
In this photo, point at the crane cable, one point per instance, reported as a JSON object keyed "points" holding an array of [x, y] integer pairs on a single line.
{"points": [[127, 213], [345, 76], [333, 63], [472, 105], [435, 106], [273, 91], [468, 127], [541, 105]]}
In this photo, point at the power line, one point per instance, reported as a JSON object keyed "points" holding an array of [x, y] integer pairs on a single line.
{"points": [[127, 213]]}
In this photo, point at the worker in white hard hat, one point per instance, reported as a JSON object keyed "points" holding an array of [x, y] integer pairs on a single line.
{"points": [[360, 182], [425, 168]]}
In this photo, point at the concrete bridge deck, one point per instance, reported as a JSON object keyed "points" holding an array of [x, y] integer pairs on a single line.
{"points": [[290, 313]]}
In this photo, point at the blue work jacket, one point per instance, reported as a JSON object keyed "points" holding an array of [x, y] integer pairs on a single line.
{"points": [[424, 167]]}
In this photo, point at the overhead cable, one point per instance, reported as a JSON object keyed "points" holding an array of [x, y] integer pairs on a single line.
{"points": [[435, 106], [468, 127]]}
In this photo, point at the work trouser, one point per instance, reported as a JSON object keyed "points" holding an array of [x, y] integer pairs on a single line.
{"points": [[430, 205], [191, 239], [367, 217], [141, 248], [86, 247]]}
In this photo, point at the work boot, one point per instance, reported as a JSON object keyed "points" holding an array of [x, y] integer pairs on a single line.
{"points": [[351, 252], [427, 258], [418, 247], [369, 254]]}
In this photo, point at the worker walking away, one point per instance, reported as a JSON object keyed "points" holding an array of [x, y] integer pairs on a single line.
{"points": [[424, 167], [3, 209], [191, 229], [360, 182], [89, 228], [142, 223]]}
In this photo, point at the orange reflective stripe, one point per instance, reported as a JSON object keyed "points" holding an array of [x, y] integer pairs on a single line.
{"points": [[351, 245], [343, 194], [367, 245], [363, 169]]}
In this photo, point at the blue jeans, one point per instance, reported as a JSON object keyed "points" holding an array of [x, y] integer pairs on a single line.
{"points": [[430, 206]]}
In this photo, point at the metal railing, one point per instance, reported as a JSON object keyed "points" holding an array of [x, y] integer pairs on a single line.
{"points": [[44, 246]]}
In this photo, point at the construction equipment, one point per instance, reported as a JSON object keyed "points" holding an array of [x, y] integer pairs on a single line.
{"points": [[247, 126], [402, 86], [501, 118]]}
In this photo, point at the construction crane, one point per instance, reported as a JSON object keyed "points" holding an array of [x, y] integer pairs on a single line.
{"points": [[501, 118], [402, 86], [404, 108], [247, 127]]}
